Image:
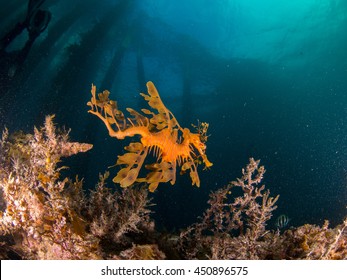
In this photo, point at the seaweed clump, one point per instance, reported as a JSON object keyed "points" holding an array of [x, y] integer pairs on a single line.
{"points": [[45, 216], [234, 227]]}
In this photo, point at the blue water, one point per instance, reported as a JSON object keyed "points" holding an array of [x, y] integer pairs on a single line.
{"points": [[268, 76]]}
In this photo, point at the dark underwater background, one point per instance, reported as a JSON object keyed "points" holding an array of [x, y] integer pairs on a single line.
{"points": [[270, 78]]}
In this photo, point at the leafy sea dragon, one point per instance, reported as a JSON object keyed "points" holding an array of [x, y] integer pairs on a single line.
{"points": [[159, 132]]}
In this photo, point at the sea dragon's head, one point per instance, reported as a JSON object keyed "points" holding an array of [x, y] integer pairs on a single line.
{"points": [[198, 140]]}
